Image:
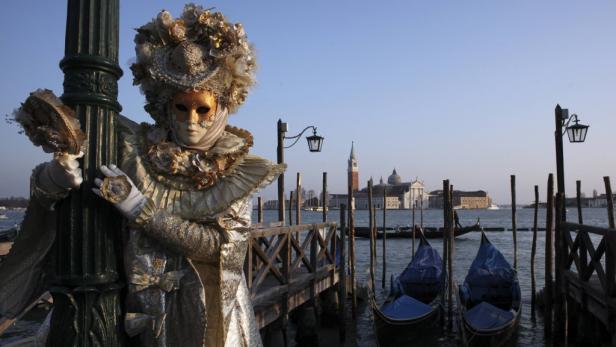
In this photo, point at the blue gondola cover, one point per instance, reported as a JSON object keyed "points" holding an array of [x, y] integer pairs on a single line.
{"points": [[422, 277], [490, 278], [405, 307]]}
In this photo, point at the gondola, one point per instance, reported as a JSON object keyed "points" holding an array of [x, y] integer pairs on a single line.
{"points": [[413, 307], [489, 300], [407, 233]]}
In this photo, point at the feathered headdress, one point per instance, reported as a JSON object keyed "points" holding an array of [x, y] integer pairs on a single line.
{"points": [[198, 51]]}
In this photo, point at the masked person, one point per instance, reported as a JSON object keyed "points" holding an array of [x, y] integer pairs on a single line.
{"points": [[183, 184]]}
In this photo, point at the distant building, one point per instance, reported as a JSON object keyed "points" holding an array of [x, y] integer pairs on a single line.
{"points": [[461, 199], [353, 169]]}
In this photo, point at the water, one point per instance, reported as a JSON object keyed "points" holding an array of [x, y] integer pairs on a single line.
{"points": [[399, 253]]}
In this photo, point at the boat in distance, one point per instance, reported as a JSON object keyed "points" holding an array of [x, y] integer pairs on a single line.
{"points": [[407, 233]]}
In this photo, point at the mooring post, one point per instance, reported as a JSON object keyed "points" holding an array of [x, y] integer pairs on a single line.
{"points": [[298, 202], [533, 251], [342, 271], [549, 291], [371, 228], [259, 210], [413, 229], [86, 282], [450, 255], [445, 243], [351, 205], [582, 246], [384, 236], [325, 200], [514, 228], [610, 257], [421, 210], [291, 198]]}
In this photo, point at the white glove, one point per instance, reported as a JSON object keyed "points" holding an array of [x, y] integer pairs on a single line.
{"points": [[132, 204], [61, 174]]}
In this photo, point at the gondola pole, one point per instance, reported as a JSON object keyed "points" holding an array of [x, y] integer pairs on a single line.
{"points": [[533, 252], [583, 253], [260, 210], [548, 291], [514, 229], [384, 237], [413, 228], [371, 229], [444, 265], [450, 256], [342, 294], [351, 207]]}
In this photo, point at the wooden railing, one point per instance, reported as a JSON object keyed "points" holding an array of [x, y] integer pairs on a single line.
{"points": [[588, 259], [287, 266]]}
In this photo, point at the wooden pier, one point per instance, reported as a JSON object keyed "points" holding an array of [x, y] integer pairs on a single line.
{"points": [[287, 266]]}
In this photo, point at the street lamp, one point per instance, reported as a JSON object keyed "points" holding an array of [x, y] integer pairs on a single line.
{"points": [[576, 133], [315, 143]]}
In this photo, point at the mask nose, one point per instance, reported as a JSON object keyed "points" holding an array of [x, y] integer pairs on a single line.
{"points": [[193, 116]]}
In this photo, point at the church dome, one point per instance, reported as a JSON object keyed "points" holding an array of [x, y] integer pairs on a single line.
{"points": [[394, 178]]}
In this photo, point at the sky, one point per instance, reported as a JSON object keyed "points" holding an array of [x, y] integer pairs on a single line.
{"points": [[459, 90]]}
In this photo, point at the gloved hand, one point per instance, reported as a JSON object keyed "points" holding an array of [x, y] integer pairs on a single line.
{"points": [[120, 191], [61, 174]]}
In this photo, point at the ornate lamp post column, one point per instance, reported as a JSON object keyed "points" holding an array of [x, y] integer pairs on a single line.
{"points": [[86, 292]]}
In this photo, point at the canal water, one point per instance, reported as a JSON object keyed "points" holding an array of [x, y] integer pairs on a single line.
{"points": [[399, 255]]}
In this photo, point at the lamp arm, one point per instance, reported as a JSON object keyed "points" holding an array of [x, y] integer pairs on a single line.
{"points": [[298, 136], [566, 124]]}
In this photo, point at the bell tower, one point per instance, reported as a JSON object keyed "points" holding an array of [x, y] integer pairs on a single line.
{"points": [[353, 169]]}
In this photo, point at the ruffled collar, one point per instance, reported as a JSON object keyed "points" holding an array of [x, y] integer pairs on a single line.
{"points": [[191, 168], [176, 193]]}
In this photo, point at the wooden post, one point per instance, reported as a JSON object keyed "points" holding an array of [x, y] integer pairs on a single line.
{"points": [[610, 201], [352, 242], [260, 210], [514, 229], [548, 291], [421, 210], [286, 274], [342, 272], [372, 227], [298, 202], [559, 302], [582, 246], [533, 252], [413, 228], [610, 261], [291, 197], [446, 208], [384, 236], [578, 196], [281, 129], [325, 199], [450, 255]]}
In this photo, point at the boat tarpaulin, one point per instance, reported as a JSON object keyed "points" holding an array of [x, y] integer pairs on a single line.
{"points": [[490, 278], [405, 307], [422, 277], [486, 316]]}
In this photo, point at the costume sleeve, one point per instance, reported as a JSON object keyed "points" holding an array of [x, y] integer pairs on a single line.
{"points": [[23, 271], [198, 241], [45, 199]]}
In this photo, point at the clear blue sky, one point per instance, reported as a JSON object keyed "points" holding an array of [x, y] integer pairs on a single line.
{"points": [[463, 90]]}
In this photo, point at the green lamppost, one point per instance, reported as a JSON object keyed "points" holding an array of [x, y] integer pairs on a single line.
{"points": [[86, 282]]}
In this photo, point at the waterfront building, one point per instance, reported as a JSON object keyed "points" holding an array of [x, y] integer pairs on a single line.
{"points": [[461, 199]]}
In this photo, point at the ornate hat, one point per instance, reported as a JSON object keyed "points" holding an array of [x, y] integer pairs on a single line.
{"points": [[198, 51]]}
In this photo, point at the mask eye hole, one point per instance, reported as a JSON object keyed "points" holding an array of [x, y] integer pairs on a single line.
{"points": [[203, 110], [181, 107]]}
